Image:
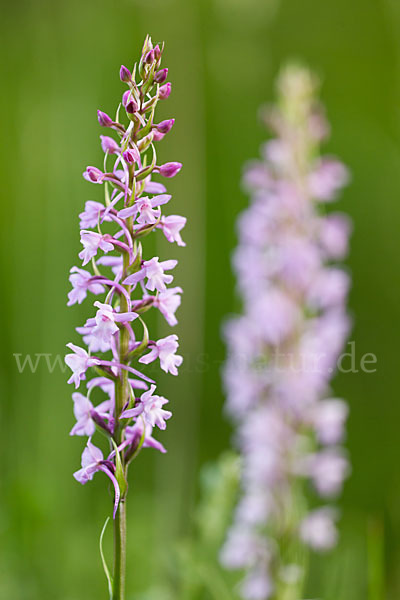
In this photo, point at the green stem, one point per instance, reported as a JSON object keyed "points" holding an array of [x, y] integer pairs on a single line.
{"points": [[121, 397], [376, 558], [120, 552]]}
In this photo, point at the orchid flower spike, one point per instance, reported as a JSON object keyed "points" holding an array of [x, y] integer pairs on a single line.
{"points": [[126, 282]]}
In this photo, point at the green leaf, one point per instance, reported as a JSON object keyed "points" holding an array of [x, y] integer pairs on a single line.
{"points": [[146, 229], [117, 113], [107, 194], [119, 471], [95, 268], [143, 344], [103, 372]]}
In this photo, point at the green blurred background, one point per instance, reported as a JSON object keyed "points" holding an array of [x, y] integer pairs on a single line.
{"points": [[60, 62]]}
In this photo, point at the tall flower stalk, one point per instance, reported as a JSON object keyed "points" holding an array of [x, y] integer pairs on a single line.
{"points": [[283, 350], [129, 284]]}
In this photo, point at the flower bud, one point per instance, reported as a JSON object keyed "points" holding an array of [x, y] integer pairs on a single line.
{"points": [[125, 97], [108, 463], [165, 126], [104, 119], [164, 91], [94, 175], [129, 102], [157, 52], [131, 107], [131, 155], [125, 74], [102, 423], [109, 145], [149, 58], [161, 76], [170, 169], [157, 136]]}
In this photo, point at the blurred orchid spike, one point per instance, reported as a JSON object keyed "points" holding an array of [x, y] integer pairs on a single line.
{"points": [[283, 349]]}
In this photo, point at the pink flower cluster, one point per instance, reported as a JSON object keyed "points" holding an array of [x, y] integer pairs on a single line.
{"points": [[283, 349], [129, 283]]}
